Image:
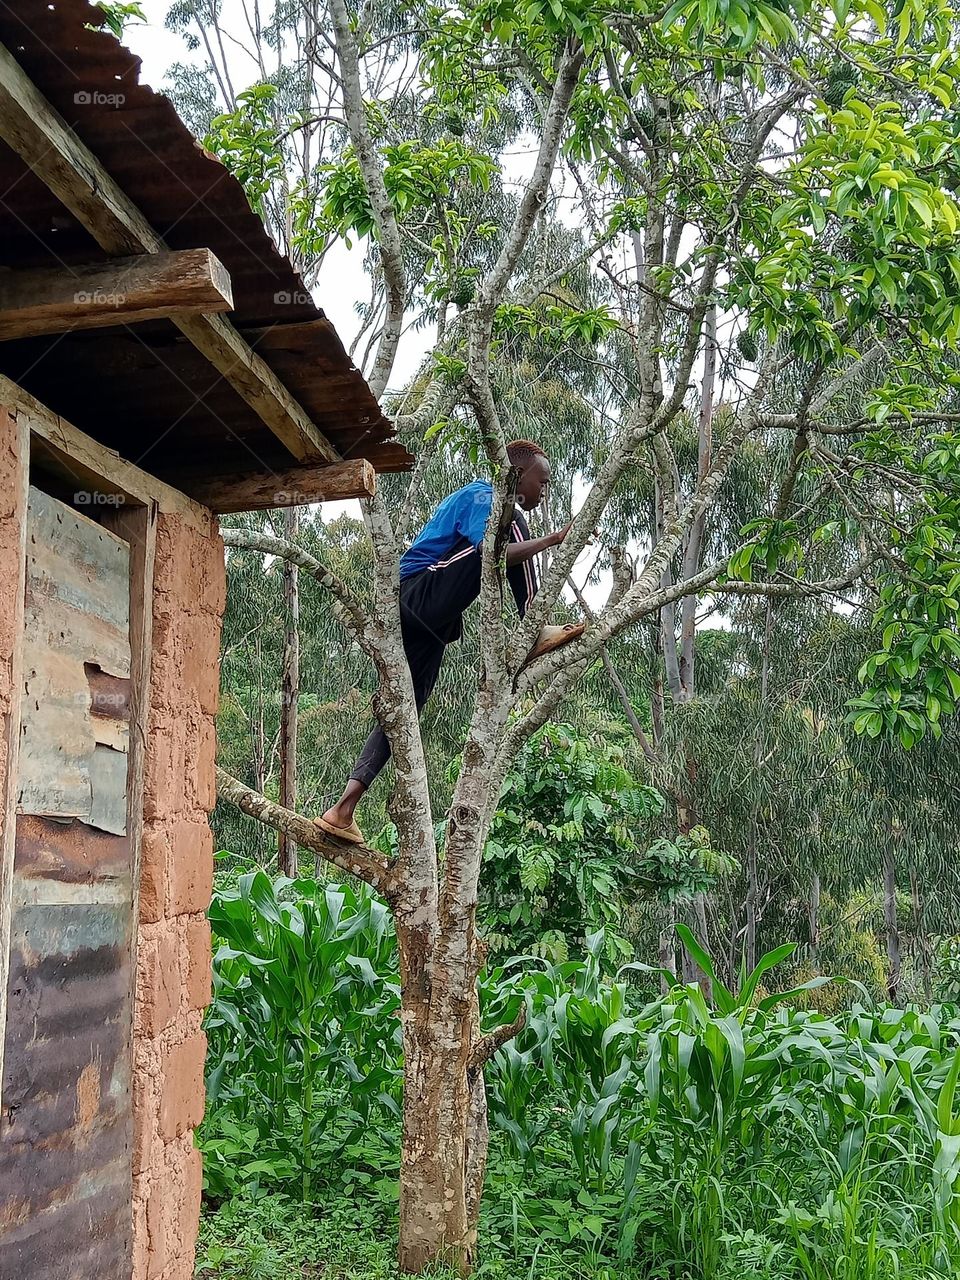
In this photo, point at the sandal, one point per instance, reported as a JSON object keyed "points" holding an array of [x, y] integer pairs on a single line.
{"points": [[552, 637], [350, 835]]}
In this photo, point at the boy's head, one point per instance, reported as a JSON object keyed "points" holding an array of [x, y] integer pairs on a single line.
{"points": [[534, 468]]}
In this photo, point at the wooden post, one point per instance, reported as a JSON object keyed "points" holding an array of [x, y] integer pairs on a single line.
{"points": [[10, 746]]}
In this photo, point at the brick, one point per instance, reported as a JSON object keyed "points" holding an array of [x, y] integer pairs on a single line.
{"points": [[154, 860], [192, 1193], [157, 1249], [177, 568], [204, 773], [190, 868], [164, 769], [159, 984], [201, 661], [147, 1148], [166, 682], [213, 596], [140, 1254], [181, 1105], [197, 963]]}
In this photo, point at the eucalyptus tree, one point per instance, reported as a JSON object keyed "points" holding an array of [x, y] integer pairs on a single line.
{"points": [[762, 186]]}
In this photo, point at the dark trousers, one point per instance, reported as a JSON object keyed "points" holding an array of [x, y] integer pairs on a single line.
{"points": [[432, 605]]}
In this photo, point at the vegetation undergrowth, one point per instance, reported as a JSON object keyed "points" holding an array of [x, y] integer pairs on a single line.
{"points": [[634, 1133]]}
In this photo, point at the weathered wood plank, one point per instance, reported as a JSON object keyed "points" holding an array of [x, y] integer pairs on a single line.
{"points": [[66, 1126], [17, 502], [293, 488], [125, 290], [31, 126], [76, 623]]}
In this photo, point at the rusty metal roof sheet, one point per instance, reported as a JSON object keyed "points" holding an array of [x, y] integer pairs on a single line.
{"points": [[144, 390]]}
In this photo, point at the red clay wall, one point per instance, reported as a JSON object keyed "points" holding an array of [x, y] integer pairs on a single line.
{"points": [[173, 971]]}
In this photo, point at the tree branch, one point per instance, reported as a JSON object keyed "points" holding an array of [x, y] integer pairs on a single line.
{"points": [[388, 232], [356, 860]]}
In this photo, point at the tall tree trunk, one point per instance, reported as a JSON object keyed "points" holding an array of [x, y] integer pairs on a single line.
{"points": [[890, 910], [439, 1028], [694, 549], [257, 732], [290, 694], [813, 922], [733, 935]]}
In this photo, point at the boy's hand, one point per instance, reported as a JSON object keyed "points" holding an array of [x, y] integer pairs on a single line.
{"points": [[560, 534]]}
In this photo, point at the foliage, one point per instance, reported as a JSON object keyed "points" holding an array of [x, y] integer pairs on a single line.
{"points": [[305, 993], [914, 679], [117, 14], [570, 847], [633, 1133], [246, 140]]}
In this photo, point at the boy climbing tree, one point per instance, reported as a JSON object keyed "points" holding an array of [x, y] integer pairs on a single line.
{"points": [[439, 580]]}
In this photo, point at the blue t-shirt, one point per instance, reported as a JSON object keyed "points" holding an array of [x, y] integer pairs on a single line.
{"points": [[463, 515]]}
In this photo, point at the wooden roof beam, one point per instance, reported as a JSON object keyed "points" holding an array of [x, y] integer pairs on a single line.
{"points": [[42, 138], [333, 482], [122, 291]]}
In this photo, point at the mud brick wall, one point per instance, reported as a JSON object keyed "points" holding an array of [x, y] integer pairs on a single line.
{"points": [[173, 963]]}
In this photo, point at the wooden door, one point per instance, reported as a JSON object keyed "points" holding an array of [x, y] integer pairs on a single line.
{"points": [[65, 1104]]}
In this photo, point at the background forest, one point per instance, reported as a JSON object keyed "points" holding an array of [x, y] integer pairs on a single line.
{"points": [[721, 883]]}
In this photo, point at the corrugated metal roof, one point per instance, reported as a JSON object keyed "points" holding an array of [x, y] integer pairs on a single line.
{"points": [[144, 390]]}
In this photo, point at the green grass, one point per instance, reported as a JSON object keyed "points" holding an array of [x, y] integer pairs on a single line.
{"points": [[631, 1139], [276, 1238]]}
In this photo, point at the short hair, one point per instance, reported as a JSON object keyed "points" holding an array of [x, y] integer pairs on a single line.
{"points": [[523, 452]]}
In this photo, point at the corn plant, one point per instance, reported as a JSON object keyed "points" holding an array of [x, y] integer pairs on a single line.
{"points": [[303, 1028]]}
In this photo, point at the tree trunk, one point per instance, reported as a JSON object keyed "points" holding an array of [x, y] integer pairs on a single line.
{"points": [[290, 694], [257, 733], [703, 937], [438, 1032], [813, 922], [890, 911]]}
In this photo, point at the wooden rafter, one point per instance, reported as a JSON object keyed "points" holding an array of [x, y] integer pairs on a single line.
{"points": [[333, 482], [43, 139], [122, 291]]}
